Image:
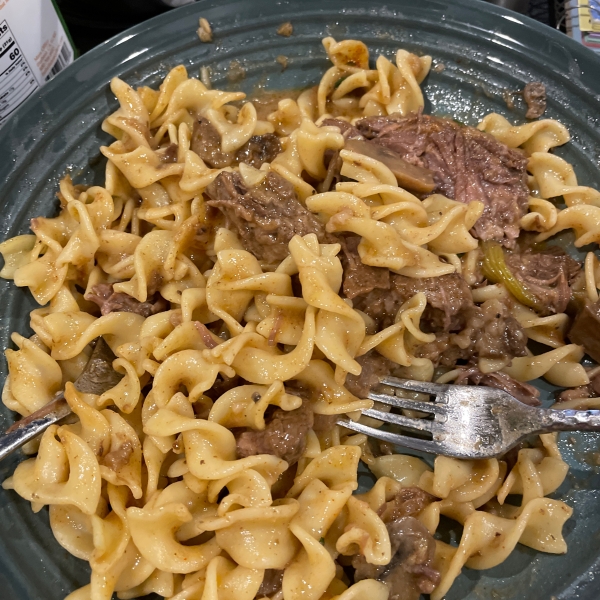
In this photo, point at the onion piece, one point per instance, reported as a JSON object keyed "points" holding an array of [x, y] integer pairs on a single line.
{"points": [[496, 270]]}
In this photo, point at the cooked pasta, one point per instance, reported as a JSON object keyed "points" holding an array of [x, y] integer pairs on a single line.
{"points": [[253, 278]]}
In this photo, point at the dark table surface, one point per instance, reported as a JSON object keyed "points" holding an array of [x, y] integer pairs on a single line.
{"points": [[94, 21]]}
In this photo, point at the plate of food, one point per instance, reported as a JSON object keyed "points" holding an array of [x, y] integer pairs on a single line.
{"points": [[222, 228]]}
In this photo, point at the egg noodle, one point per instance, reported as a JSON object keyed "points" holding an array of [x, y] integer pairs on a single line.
{"points": [[147, 485]]}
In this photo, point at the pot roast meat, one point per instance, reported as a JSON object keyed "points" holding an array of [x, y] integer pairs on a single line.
{"points": [[523, 392], [462, 328], [360, 279], [332, 159], [586, 330], [448, 297], [266, 217], [284, 435], [259, 149], [206, 143], [109, 301], [374, 367], [547, 275], [408, 502], [346, 129], [591, 390], [495, 333], [467, 165], [410, 572], [489, 332], [534, 94], [271, 583]]}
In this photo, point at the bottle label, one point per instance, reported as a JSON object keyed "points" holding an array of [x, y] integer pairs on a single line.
{"points": [[34, 47]]}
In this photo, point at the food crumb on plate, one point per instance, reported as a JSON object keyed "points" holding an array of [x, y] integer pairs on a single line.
{"points": [[283, 61], [285, 29], [204, 31]]}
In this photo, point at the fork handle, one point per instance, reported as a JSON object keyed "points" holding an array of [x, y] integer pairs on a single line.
{"points": [[29, 427], [571, 420]]}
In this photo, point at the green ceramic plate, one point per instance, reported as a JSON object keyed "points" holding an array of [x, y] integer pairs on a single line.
{"points": [[484, 50]]}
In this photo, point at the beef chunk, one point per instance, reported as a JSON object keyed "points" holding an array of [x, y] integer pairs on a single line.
{"points": [[118, 458], [410, 572], [467, 165], [98, 376], [347, 130], [206, 143], [535, 97], [266, 217], [271, 583], [586, 330], [168, 154], [374, 367], [408, 502], [333, 161], [523, 392], [109, 301], [448, 297], [334, 171], [360, 279], [259, 149], [462, 329], [496, 335], [547, 275], [284, 436], [591, 390], [489, 332]]}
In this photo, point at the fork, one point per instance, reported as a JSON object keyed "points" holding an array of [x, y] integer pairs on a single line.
{"points": [[470, 422]]}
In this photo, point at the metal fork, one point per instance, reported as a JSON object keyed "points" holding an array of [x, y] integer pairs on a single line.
{"points": [[471, 422]]}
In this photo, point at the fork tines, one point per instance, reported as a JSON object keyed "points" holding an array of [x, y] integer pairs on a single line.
{"points": [[424, 387], [427, 426]]}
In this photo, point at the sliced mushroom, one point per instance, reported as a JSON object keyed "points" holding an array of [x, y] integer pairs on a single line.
{"points": [[408, 176]]}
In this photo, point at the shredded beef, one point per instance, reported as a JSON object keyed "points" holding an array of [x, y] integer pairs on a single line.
{"points": [[284, 435], [408, 502], [168, 154], [334, 171], [489, 332], [332, 159], [467, 165], [462, 328], [325, 423], [535, 97], [271, 583], [495, 333], [360, 279], [586, 329], [523, 392], [448, 297], [259, 149], [118, 458], [374, 367], [109, 301], [266, 217], [410, 573], [591, 390], [206, 143], [98, 376], [547, 275], [347, 130]]}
